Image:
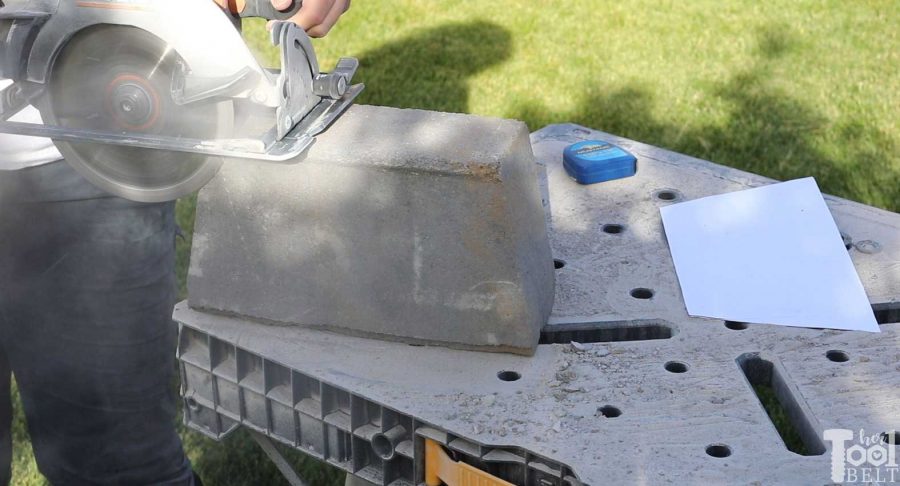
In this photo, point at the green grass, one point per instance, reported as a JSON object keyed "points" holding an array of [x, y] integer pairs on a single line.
{"points": [[783, 88], [779, 416]]}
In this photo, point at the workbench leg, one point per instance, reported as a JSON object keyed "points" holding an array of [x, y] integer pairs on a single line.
{"points": [[356, 481], [280, 462]]}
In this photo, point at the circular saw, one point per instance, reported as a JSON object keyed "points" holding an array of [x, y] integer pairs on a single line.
{"points": [[147, 98]]}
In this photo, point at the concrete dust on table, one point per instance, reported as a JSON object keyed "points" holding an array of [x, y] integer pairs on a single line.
{"points": [[647, 395]]}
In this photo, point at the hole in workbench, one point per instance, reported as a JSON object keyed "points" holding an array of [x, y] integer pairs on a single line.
{"points": [[736, 326], [613, 229], [557, 263], [382, 446], [892, 438], [782, 407], [507, 375], [642, 293], [837, 356], [605, 332], [718, 450], [609, 411], [887, 313], [676, 367], [667, 195]]}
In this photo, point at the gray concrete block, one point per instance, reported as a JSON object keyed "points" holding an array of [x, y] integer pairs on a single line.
{"points": [[402, 224]]}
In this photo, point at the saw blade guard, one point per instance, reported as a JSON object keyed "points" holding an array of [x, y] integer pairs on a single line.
{"points": [[201, 33]]}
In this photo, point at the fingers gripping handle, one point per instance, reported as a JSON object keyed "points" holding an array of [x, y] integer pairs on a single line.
{"points": [[264, 9]]}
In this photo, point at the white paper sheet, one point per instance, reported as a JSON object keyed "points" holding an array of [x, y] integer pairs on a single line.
{"points": [[771, 255]]}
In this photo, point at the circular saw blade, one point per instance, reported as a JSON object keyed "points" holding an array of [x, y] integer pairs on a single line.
{"points": [[119, 79]]}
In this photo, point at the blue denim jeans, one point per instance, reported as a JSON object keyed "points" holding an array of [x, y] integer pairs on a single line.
{"points": [[87, 286]]}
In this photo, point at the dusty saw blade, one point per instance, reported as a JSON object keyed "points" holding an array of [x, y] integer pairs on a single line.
{"points": [[120, 78]]}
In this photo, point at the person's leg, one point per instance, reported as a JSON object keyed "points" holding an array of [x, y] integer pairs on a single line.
{"points": [[88, 288]]}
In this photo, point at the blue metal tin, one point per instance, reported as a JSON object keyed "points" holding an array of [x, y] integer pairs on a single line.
{"points": [[592, 161]]}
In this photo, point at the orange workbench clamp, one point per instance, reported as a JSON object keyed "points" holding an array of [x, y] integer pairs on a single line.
{"points": [[440, 469]]}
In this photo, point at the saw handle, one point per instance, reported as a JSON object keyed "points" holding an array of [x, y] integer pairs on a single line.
{"points": [[264, 9]]}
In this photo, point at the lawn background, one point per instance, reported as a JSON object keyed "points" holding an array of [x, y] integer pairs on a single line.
{"points": [[783, 88]]}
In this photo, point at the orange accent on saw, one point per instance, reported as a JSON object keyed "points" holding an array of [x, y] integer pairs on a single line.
{"points": [[143, 82], [237, 6], [233, 6]]}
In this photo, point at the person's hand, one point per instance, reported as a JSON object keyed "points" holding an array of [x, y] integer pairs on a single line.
{"points": [[316, 17]]}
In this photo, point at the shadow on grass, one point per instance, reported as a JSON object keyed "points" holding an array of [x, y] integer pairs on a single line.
{"points": [[766, 132], [450, 54]]}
